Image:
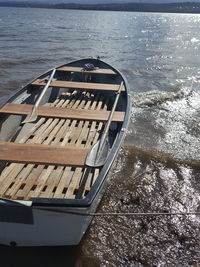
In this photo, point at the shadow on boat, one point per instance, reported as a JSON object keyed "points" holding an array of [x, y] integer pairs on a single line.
{"points": [[38, 256]]}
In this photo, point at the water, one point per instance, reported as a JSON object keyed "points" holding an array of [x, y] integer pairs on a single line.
{"points": [[158, 168]]}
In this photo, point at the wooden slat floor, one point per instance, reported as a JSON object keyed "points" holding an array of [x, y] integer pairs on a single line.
{"points": [[25, 181]]}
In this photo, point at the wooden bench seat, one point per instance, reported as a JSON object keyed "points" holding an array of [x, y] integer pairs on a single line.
{"points": [[43, 154], [66, 113], [78, 69], [79, 85]]}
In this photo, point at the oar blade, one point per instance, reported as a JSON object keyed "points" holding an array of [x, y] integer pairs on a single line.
{"points": [[97, 156], [32, 116]]}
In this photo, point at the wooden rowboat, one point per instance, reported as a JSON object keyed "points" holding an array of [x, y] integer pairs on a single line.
{"points": [[59, 136]]}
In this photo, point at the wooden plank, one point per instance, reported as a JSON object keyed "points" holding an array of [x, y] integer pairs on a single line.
{"points": [[74, 182], [63, 183], [79, 85], [65, 113], [33, 174], [42, 154], [42, 181], [52, 180], [78, 69]]}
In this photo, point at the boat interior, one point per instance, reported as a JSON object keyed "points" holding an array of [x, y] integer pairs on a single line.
{"points": [[46, 158]]}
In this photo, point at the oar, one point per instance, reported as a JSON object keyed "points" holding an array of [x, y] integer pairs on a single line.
{"points": [[99, 152], [32, 115]]}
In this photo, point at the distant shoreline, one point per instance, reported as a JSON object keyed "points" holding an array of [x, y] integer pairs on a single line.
{"points": [[189, 7]]}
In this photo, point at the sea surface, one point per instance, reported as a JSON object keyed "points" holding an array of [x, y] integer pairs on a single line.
{"points": [[158, 168]]}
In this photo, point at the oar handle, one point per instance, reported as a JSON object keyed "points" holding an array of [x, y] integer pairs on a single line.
{"points": [[113, 109], [45, 88]]}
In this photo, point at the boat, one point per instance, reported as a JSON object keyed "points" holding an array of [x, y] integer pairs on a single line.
{"points": [[59, 136]]}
